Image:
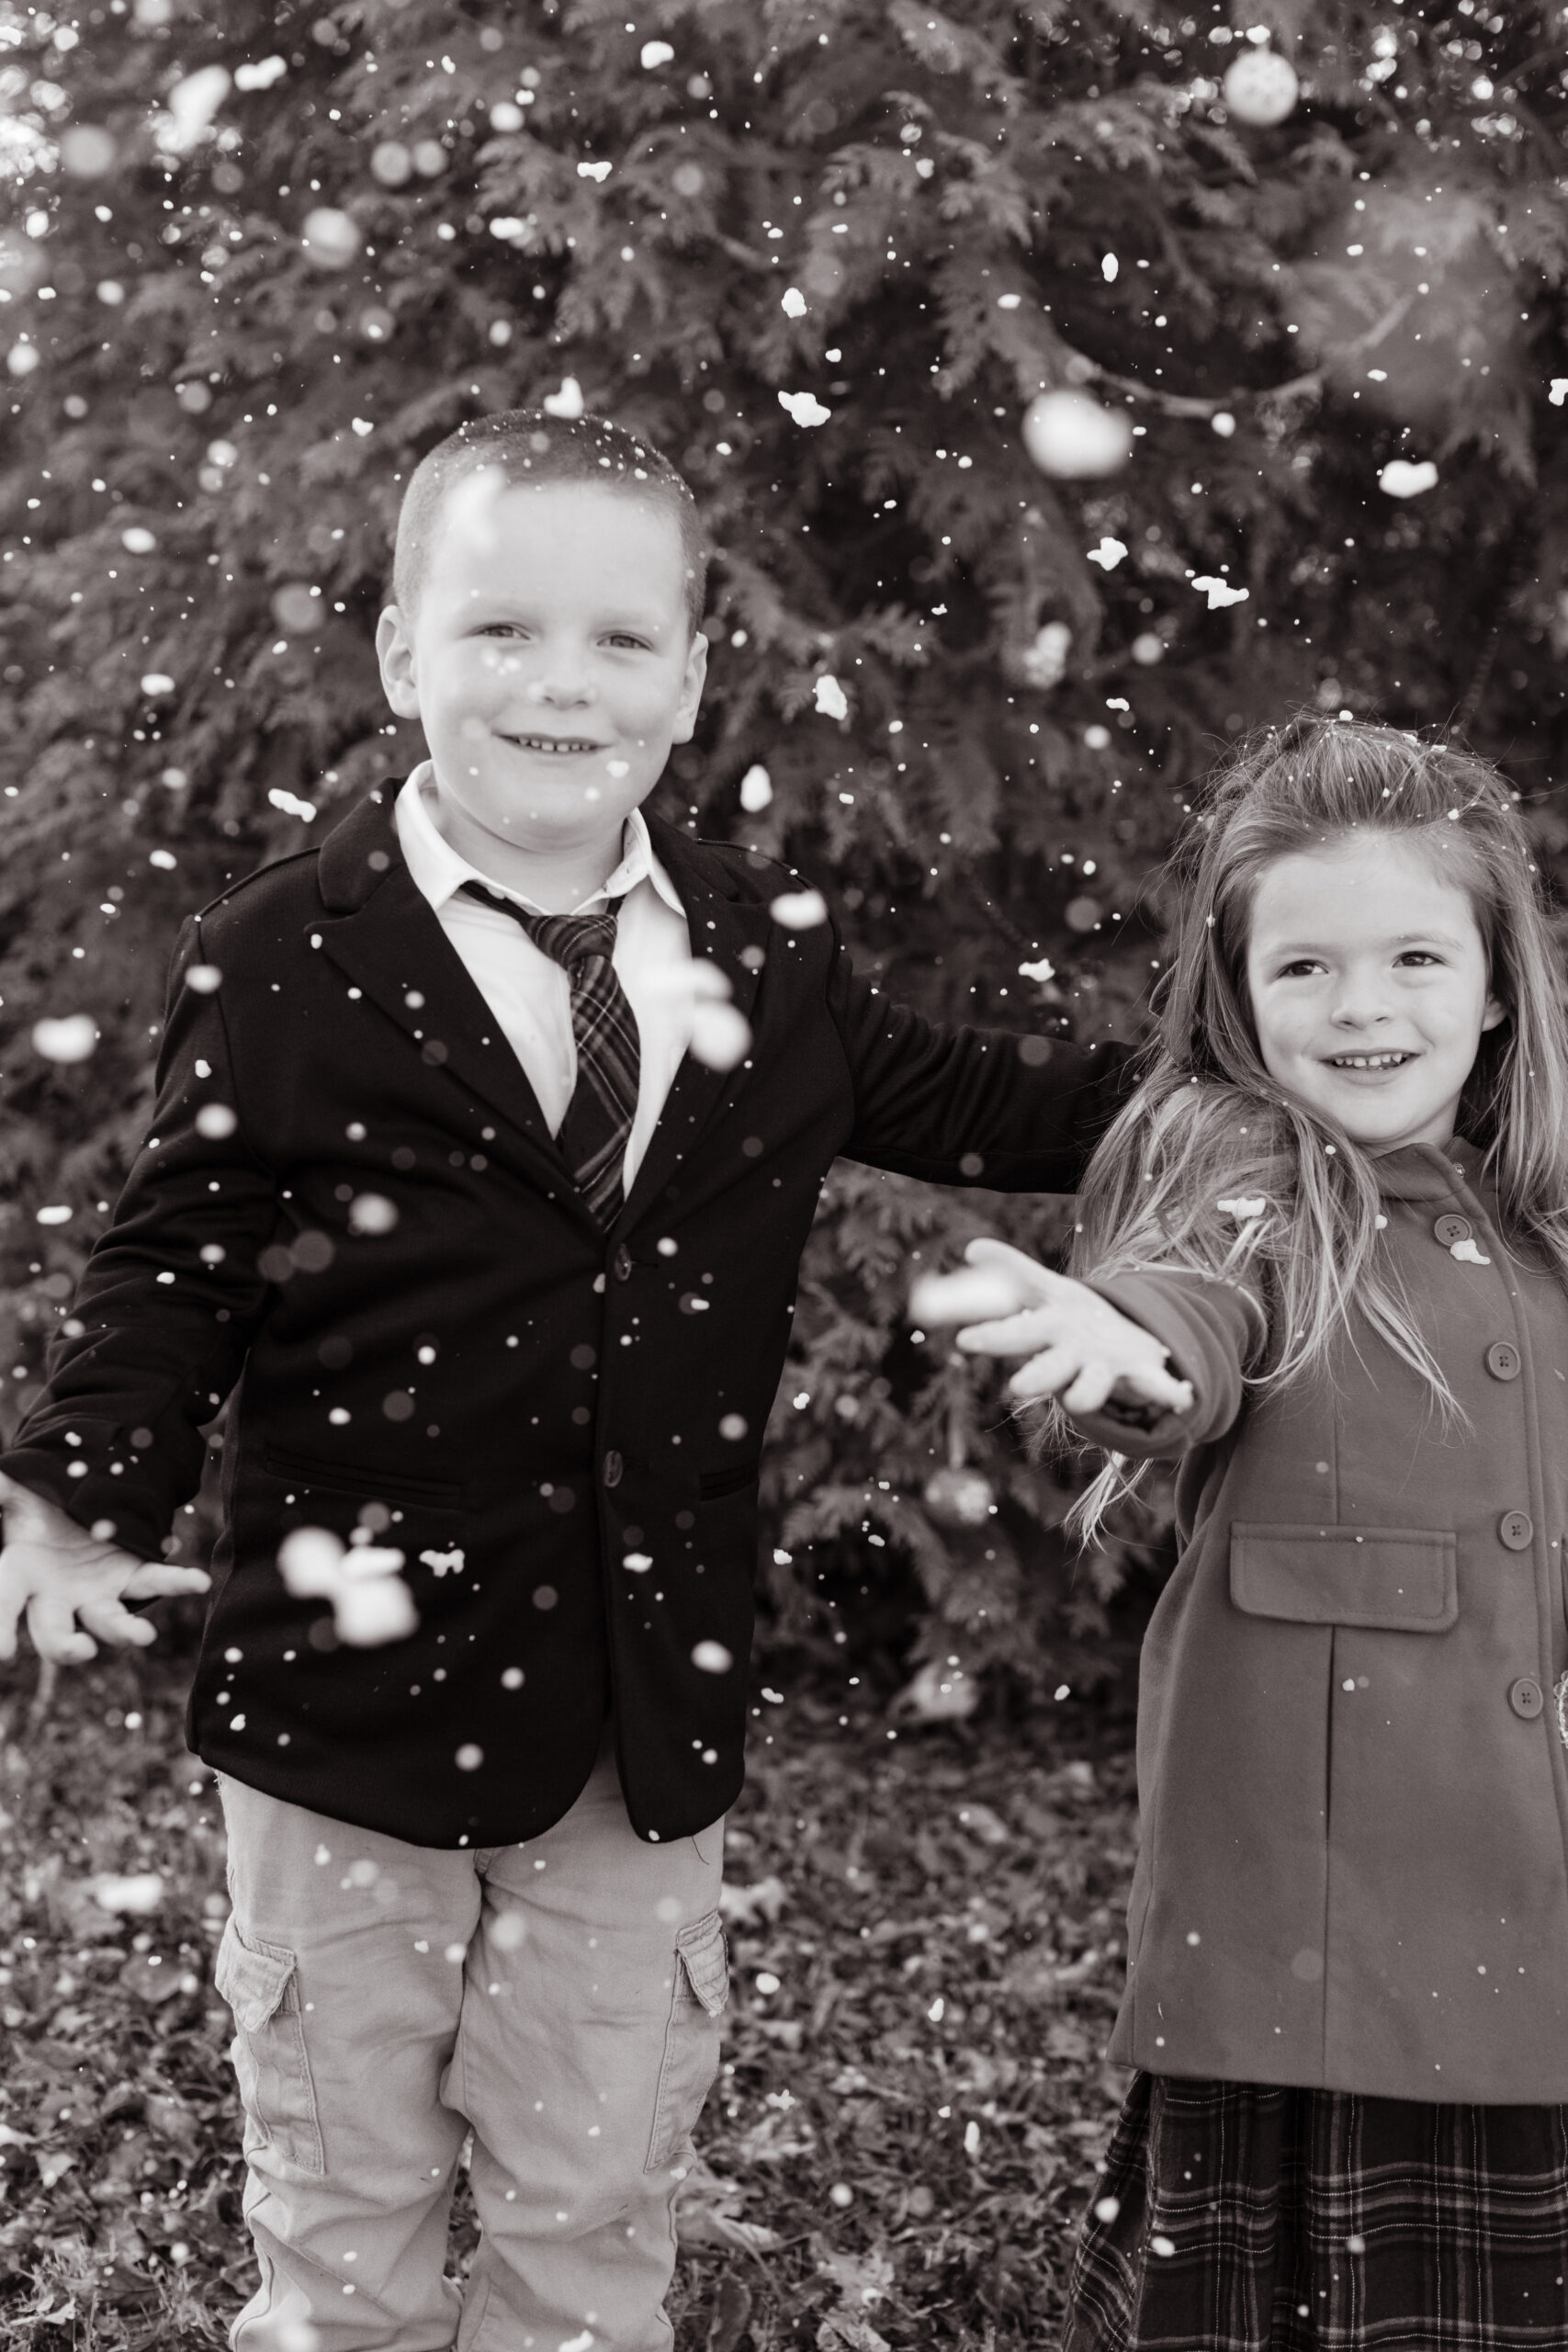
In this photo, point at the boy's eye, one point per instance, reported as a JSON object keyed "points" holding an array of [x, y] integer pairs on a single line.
{"points": [[625, 636], [501, 628]]}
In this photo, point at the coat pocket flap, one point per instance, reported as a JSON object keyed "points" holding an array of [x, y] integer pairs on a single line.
{"points": [[254, 1979], [1401, 1580], [704, 1956]]}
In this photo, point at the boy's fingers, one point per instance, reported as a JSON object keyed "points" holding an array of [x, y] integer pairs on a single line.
{"points": [[155, 1580], [51, 1621], [114, 1623]]}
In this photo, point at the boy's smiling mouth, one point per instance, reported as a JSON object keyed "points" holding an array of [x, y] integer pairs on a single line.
{"points": [[558, 746], [1392, 1060]]}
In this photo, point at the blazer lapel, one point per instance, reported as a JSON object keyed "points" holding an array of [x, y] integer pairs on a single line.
{"points": [[386, 940], [734, 933]]}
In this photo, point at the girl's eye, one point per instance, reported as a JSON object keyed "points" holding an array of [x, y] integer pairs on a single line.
{"points": [[1419, 955], [1303, 967]]}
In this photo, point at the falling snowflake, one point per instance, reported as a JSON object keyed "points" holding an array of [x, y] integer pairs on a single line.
{"points": [[1043, 971], [799, 909], [830, 698], [1244, 1207], [756, 790], [1220, 592], [1403, 479], [597, 171], [290, 804], [71, 1038], [567, 402], [804, 408], [1107, 554], [655, 53], [792, 303]]}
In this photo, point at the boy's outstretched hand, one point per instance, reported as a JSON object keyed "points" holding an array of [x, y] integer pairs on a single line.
{"points": [[1079, 1348], [70, 1586]]}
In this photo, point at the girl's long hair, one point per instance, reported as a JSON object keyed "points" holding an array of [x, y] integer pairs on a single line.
{"points": [[1207, 1126]]}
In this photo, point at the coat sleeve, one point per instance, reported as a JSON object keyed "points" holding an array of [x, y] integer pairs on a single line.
{"points": [[168, 1301], [1211, 1329], [966, 1106]]}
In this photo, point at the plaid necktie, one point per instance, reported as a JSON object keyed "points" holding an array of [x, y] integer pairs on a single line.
{"points": [[598, 1121]]}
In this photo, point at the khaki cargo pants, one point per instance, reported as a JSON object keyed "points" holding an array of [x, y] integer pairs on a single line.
{"points": [[561, 1999]]}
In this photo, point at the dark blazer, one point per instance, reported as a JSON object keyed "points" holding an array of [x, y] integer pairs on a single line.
{"points": [[492, 1375], [1353, 1872]]}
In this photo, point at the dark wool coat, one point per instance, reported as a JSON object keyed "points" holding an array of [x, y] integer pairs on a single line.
{"points": [[491, 1376], [1354, 1864]]}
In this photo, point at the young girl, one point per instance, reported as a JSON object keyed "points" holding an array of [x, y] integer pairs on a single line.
{"points": [[1324, 1260]]}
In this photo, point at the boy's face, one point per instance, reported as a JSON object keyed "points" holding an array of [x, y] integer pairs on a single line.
{"points": [[549, 660]]}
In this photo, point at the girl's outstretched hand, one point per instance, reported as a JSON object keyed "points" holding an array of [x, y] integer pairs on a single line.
{"points": [[1079, 1346]]}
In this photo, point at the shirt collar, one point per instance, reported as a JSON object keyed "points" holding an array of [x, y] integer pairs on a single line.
{"points": [[439, 871]]}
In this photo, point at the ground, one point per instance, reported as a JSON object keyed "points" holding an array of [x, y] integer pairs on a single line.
{"points": [[925, 1936]]}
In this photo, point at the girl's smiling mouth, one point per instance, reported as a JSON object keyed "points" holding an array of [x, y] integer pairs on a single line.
{"points": [[1387, 1061]]}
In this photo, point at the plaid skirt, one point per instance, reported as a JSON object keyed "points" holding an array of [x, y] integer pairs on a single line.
{"points": [[1238, 2217]]}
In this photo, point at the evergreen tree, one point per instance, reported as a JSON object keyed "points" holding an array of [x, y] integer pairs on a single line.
{"points": [[1295, 269]]}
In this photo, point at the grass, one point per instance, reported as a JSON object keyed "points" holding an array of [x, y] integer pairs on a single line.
{"points": [[895, 2153]]}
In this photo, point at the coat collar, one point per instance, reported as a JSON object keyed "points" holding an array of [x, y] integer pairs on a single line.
{"points": [[382, 932], [1423, 1172]]}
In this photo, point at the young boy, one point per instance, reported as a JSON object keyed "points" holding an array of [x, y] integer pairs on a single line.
{"points": [[503, 1276]]}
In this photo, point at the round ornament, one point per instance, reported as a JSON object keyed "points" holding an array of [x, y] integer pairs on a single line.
{"points": [[959, 1498], [1072, 439], [1261, 89]]}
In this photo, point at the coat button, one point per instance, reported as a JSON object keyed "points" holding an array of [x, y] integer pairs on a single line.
{"points": [[1525, 1698], [1516, 1528], [1502, 1360], [1450, 1229], [622, 1262], [613, 1468]]}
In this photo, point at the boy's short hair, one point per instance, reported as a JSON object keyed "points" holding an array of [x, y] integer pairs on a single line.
{"points": [[525, 445]]}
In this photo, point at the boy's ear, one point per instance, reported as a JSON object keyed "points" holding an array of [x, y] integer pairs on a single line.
{"points": [[690, 689], [394, 651]]}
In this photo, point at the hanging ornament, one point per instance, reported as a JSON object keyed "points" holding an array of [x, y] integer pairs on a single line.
{"points": [[1072, 439], [958, 1496], [1261, 89]]}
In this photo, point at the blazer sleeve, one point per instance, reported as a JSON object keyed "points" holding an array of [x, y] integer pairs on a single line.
{"points": [[963, 1106], [168, 1301], [1211, 1330]]}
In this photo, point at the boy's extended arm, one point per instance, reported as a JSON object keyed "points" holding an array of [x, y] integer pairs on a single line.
{"points": [[167, 1302], [968, 1106], [71, 1586]]}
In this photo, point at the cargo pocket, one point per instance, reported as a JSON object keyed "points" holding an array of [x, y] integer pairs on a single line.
{"points": [[692, 2037], [259, 1983]]}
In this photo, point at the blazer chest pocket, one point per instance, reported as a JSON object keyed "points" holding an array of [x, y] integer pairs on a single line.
{"points": [[1395, 1580]]}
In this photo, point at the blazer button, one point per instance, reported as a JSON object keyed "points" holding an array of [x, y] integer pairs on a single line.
{"points": [[1502, 1360], [613, 1465], [1525, 1698], [1450, 1229], [621, 1264], [1516, 1528]]}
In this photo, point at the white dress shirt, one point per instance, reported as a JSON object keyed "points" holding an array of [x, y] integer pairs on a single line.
{"points": [[530, 994]]}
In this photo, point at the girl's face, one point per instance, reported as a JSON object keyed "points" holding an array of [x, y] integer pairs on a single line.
{"points": [[1367, 979]]}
